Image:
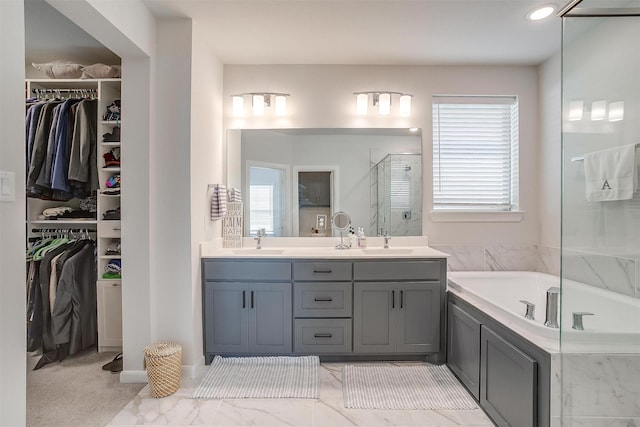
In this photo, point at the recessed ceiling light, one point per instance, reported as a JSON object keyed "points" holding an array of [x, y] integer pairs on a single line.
{"points": [[541, 12]]}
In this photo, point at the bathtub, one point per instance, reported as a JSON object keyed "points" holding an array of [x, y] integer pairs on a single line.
{"points": [[614, 327]]}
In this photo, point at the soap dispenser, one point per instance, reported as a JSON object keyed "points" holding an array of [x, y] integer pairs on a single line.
{"points": [[362, 239]]}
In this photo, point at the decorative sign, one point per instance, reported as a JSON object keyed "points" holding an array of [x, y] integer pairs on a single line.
{"points": [[232, 226]]}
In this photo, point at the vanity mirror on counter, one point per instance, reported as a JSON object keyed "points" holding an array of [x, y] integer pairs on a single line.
{"points": [[294, 180]]}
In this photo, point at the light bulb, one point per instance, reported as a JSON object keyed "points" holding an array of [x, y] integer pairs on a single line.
{"points": [[281, 105], [405, 105], [362, 101], [576, 109], [598, 110], [258, 105], [384, 103], [616, 111], [238, 105]]}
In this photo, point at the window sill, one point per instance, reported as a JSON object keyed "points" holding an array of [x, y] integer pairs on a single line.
{"points": [[476, 216]]}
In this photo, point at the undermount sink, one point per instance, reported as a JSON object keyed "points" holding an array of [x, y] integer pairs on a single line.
{"points": [[388, 251], [255, 251]]}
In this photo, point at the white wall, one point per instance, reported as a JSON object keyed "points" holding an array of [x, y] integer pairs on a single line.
{"points": [[322, 96], [171, 298], [206, 167], [549, 183], [12, 215]]}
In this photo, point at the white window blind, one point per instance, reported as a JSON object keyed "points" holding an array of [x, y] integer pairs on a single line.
{"points": [[475, 153], [261, 205]]}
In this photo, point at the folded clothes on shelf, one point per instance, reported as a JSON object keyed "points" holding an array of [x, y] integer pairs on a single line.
{"points": [[113, 136], [113, 269], [112, 158], [111, 214], [113, 111], [113, 248], [113, 181]]}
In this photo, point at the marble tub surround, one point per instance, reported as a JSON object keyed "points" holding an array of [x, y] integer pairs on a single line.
{"points": [[328, 410], [491, 258], [601, 390], [549, 259], [614, 273]]}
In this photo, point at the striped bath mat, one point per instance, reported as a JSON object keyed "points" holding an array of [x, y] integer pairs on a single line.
{"points": [[261, 377], [403, 387]]}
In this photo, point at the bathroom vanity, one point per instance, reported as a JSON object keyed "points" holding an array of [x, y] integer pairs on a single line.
{"points": [[351, 303]]}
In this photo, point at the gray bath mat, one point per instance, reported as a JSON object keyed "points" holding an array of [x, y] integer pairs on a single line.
{"points": [[403, 387], [261, 377]]}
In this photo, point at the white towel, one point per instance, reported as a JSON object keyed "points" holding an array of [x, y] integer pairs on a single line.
{"points": [[218, 202], [611, 174]]}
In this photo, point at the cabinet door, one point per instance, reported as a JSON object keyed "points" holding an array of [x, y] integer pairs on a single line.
{"points": [[374, 317], [463, 348], [418, 312], [270, 318], [109, 299], [226, 317], [508, 389]]}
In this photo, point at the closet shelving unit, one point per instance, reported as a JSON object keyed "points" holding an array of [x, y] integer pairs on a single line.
{"points": [[107, 232]]}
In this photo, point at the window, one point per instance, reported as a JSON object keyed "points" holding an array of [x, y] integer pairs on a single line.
{"points": [[475, 153], [261, 214]]}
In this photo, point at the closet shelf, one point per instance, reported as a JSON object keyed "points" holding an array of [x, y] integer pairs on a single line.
{"points": [[110, 144], [111, 122], [62, 221], [111, 169], [110, 256]]}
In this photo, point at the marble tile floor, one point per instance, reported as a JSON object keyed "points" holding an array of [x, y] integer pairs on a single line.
{"points": [[327, 411]]}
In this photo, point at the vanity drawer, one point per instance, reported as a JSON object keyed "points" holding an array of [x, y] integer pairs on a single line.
{"points": [[318, 336], [322, 299], [109, 228], [242, 270], [322, 271], [397, 270]]}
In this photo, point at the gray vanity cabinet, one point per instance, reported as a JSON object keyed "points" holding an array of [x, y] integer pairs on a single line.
{"points": [[248, 318], [246, 307], [463, 348], [397, 306], [396, 317]]}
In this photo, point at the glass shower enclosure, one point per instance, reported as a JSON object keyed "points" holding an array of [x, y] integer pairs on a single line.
{"points": [[600, 259], [397, 188]]}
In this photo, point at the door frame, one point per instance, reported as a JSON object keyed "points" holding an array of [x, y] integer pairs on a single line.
{"points": [[333, 196]]}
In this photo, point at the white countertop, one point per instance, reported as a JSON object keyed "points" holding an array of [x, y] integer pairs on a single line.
{"points": [[324, 248]]}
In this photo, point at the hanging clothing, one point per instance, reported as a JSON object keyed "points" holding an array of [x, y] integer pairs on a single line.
{"points": [[62, 298], [61, 147]]}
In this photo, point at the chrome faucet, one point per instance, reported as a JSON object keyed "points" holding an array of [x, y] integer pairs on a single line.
{"points": [[551, 319], [577, 319], [530, 310], [386, 239], [261, 233]]}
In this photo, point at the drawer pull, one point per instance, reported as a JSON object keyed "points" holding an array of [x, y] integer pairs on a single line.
{"points": [[323, 299], [323, 271], [322, 335], [117, 229]]}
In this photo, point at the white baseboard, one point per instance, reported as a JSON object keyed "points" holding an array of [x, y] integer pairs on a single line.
{"points": [[140, 377], [134, 377]]}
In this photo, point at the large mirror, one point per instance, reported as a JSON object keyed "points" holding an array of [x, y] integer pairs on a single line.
{"points": [[294, 180]]}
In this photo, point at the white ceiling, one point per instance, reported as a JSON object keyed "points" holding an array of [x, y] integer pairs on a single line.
{"points": [[394, 32], [398, 32]]}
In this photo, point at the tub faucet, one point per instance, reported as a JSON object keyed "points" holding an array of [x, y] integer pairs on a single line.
{"points": [[529, 312], [577, 319], [551, 319], [386, 239], [261, 233]]}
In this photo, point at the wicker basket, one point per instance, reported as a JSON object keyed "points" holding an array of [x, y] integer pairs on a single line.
{"points": [[163, 362]]}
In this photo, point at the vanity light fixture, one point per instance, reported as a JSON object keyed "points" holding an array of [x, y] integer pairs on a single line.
{"points": [[576, 109], [541, 12], [616, 111], [259, 101], [382, 100], [598, 110]]}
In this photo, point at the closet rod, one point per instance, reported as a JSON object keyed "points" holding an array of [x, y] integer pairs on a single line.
{"points": [[74, 230], [63, 90]]}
